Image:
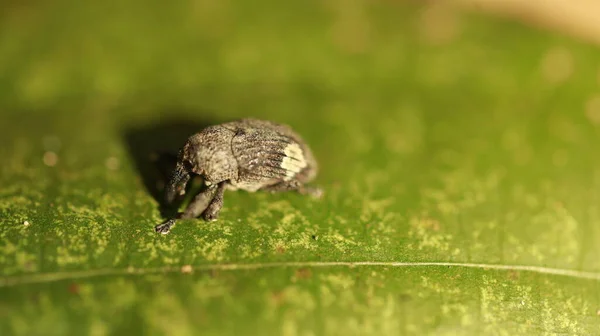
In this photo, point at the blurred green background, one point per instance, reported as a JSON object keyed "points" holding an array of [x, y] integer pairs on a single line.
{"points": [[442, 136]]}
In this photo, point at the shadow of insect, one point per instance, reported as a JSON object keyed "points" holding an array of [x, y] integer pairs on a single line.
{"points": [[153, 149]]}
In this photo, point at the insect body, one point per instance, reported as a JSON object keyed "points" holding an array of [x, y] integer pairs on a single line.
{"points": [[246, 154]]}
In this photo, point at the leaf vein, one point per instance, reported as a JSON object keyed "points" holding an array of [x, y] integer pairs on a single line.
{"points": [[71, 275]]}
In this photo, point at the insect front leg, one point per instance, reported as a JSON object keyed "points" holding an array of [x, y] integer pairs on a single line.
{"points": [[212, 211], [200, 202], [193, 210]]}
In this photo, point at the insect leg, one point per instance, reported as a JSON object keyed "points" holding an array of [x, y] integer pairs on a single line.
{"points": [[283, 186], [315, 192], [297, 186], [193, 210], [200, 202], [212, 211], [165, 227]]}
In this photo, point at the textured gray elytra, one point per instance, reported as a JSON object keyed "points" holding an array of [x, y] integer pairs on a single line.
{"points": [[246, 154]]}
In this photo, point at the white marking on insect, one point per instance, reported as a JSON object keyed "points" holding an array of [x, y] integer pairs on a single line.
{"points": [[294, 161]]}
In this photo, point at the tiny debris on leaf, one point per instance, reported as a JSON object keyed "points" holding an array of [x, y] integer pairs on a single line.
{"points": [[186, 269], [112, 163], [50, 159]]}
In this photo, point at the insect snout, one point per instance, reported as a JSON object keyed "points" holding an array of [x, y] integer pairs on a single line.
{"points": [[177, 184]]}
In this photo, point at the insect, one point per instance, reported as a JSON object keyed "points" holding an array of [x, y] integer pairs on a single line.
{"points": [[246, 154]]}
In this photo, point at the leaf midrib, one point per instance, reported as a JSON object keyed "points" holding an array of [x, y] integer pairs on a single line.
{"points": [[72, 275]]}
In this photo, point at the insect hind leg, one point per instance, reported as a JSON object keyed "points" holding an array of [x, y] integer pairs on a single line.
{"points": [[295, 185], [282, 186]]}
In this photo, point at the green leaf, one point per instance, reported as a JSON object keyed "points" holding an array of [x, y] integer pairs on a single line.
{"points": [[458, 155]]}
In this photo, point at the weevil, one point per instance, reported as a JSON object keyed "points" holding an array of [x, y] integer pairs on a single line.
{"points": [[246, 154]]}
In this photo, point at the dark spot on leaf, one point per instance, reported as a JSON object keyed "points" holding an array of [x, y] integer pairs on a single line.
{"points": [[74, 288], [280, 249], [278, 297], [35, 297], [303, 273], [404, 297], [29, 266]]}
